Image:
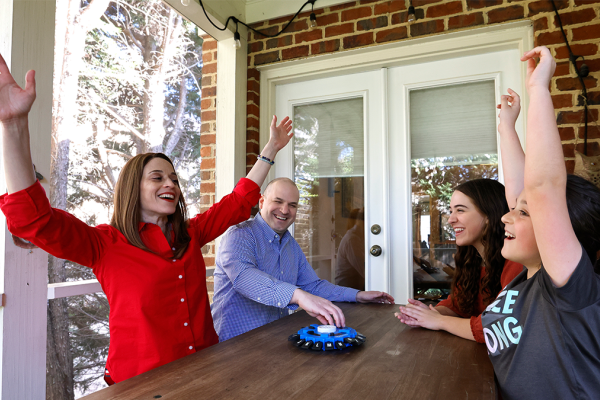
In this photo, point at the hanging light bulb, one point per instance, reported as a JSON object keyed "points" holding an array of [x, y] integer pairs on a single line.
{"points": [[411, 14], [237, 43], [185, 2], [313, 21]]}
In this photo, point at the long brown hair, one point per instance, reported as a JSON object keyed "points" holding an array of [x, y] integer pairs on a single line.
{"points": [[489, 198], [127, 213]]}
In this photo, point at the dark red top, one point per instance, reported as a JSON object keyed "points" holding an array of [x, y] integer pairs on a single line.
{"points": [[510, 271], [159, 307]]}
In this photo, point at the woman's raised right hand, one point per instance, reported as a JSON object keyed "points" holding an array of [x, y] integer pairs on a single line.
{"points": [[15, 102]]}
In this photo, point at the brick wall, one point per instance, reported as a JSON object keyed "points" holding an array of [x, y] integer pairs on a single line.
{"points": [[208, 140], [372, 22]]}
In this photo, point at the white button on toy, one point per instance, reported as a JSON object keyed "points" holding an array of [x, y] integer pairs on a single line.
{"points": [[326, 328]]}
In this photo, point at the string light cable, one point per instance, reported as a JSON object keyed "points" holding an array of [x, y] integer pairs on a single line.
{"points": [[582, 72], [236, 35]]}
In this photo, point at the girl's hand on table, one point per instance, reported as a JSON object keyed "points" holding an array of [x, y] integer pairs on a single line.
{"points": [[417, 314]]}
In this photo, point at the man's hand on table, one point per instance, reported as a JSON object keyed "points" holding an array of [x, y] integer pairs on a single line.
{"points": [[325, 311], [374, 297]]}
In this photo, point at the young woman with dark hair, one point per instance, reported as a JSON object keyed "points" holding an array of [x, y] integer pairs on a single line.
{"points": [[149, 259], [476, 209], [542, 330]]}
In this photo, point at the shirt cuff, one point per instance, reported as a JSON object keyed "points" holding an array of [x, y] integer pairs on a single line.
{"points": [[284, 294], [349, 295], [25, 206], [477, 329], [248, 189]]}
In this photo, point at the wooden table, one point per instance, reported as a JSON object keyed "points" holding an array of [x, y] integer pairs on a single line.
{"points": [[396, 362]]}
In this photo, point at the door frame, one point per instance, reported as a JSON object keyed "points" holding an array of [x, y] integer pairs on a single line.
{"points": [[515, 35]]}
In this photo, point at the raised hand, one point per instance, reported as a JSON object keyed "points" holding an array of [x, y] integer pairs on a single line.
{"points": [[374, 297], [280, 134], [15, 102], [510, 106], [539, 76], [325, 311]]}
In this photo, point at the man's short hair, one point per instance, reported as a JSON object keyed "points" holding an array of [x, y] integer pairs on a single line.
{"points": [[278, 180]]}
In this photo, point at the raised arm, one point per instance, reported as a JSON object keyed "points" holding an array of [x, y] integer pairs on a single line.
{"points": [[15, 104], [545, 174], [280, 136], [513, 158]]}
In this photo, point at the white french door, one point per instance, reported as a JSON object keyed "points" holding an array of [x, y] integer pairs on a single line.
{"points": [[326, 115]]}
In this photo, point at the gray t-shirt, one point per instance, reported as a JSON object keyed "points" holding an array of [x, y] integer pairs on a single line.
{"points": [[544, 341]]}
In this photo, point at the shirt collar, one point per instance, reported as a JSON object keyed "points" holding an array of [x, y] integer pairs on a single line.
{"points": [[269, 233]]}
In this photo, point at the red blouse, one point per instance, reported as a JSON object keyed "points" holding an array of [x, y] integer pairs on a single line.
{"points": [[159, 307], [510, 271]]}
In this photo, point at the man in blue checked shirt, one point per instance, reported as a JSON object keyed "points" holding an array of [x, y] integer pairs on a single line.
{"points": [[261, 272]]}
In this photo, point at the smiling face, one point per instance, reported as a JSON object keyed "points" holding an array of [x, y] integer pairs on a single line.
{"points": [[467, 221], [519, 242], [159, 190], [279, 204]]}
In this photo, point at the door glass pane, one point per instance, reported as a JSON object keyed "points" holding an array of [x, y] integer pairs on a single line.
{"points": [[453, 140], [329, 172]]}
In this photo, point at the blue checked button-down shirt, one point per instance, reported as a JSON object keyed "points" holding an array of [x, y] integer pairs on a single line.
{"points": [[256, 275]]}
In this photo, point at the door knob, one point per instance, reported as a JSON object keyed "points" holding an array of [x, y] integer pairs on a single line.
{"points": [[375, 251], [375, 229]]}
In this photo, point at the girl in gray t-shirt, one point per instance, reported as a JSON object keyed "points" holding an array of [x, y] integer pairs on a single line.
{"points": [[541, 332]]}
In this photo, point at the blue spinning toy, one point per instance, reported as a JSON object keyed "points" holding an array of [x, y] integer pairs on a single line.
{"points": [[326, 338]]}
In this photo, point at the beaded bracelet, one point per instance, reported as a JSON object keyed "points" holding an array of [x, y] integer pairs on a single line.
{"points": [[265, 159]]}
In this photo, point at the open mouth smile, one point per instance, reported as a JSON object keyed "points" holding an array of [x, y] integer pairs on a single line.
{"points": [[170, 197], [280, 218], [508, 236]]}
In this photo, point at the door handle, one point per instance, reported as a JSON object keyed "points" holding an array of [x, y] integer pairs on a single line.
{"points": [[375, 250]]}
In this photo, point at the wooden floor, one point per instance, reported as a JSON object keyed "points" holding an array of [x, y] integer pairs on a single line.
{"points": [[396, 362]]}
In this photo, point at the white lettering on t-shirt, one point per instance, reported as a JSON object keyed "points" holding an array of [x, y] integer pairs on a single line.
{"points": [[492, 307], [516, 330], [509, 301], [500, 334], [488, 335]]}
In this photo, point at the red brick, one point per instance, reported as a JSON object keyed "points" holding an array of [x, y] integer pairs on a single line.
{"points": [[505, 14], [586, 49], [356, 13], [426, 28], [265, 58], [574, 84], [339, 30], [567, 133], [540, 24], [328, 19], [205, 128], [593, 132], [205, 175], [253, 97], [593, 148], [586, 32], [593, 65], [253, 86], [252, 135], [308, 36], [327, 46], [297, 26], [252, 109], [373, 23], [209, 68], [445, 8], [206, 81], [280, 41], [568, 150], [280, 20], [399, 18], [306, 14], [208, 139], [465, 20], [547, 38], [585, 2], [593, 99], [570, 166], [255, 47], [367, 1], [342, 6], [208, 45], [295, 52], [206, 151], [209, 91], [562, 100], [576, 117], [206, 57], [208, 115], [266, 32], [252, 147], [252, 122], [471, 4], [206, 103], [562, 68], [391, 34], [253, 73], [576, 17], [358, 40], [209, 261], [421, 3], [389, 7], [546, 6]]}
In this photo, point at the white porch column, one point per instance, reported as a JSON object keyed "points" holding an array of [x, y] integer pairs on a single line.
{"points": [[26, 42]]}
